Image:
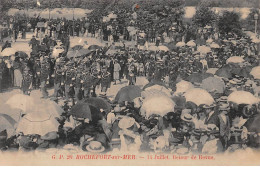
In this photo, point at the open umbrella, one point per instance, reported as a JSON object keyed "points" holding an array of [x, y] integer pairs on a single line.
{"points": [[191, 43], [128, 93], [214, 45], [37, 123], [204, 49], [159, 88], [153, 48], [199, 96], [72, 54], [209, 40], [83, 52], [243, 97], [235, 59], [21, 102], [86, 111], [99, 103], [255, 72], [224, 72], [48, 107], [163, 48], [194, 78], [8, 52], [7, 123], [213, 84], [21, 54], [94, 47], [153, 93], [212, 70], [77, 47], [154, 82], [157, 105], [181, 44], [183, 86]]}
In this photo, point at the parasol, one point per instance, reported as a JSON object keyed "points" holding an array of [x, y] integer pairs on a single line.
{"points": [[128, 93], [94, 47], [181, 44], [212, 70], [183, 86], [213, 84], [153, 93], [86, 111], [99, 103], [235, 59], [21, 102], [7, 123], [242, 97], [37, 123], [255, 72], [199, 96], [204, 49], [163, 48], [191, 43], [157, 105], [214, 45]]}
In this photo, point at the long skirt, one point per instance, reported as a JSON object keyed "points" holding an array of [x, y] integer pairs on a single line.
{"points": [[116, 75], [18, 78]]}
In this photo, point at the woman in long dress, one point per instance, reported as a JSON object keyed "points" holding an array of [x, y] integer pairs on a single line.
{"points": [[117, 69], [18, 78]]}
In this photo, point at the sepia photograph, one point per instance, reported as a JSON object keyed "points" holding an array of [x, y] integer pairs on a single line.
{"points": [[129, 82]]}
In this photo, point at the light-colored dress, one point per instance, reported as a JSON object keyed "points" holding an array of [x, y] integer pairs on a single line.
{"points": [[117, 68]]}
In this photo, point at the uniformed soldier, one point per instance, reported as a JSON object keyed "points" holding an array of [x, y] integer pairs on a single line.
{"points": [[69, 80], [87, 82], [96, 80], [58, 76], [37, 72], [27, 80], [79, 83], [44, 76], [132, 74], [105, 80]]}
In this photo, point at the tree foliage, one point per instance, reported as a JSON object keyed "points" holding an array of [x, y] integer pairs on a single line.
{"points": [[204, 15], [229, 23]]}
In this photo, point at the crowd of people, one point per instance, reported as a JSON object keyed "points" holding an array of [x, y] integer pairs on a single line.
{"points": [[164, 54]]}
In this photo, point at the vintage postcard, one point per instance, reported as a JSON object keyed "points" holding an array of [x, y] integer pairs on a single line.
{"points": [[129, 82]]}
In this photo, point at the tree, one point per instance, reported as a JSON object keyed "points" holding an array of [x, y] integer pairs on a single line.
{"points": [[204, 15], [229, 23]]}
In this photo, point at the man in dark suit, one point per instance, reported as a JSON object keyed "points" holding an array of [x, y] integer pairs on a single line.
{"points": [[224, 124], [211, 115]]}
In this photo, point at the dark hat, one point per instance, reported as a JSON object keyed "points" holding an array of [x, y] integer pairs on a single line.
{"points": [[208, 106]]}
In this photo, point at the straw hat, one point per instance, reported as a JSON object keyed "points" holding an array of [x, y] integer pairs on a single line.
{"points": [[126, 122], [95, 147], [186, 117], [208, 106]]}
